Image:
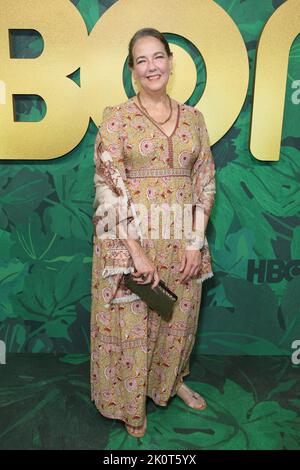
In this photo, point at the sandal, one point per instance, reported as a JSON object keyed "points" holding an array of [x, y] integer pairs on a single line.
{"points": [[193, 395], [133, 431]]}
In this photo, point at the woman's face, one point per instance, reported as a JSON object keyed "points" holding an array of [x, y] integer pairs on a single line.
{"points": [[151, 60]]}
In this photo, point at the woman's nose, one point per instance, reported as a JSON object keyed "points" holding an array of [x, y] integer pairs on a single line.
{"points": [[152, 67]]}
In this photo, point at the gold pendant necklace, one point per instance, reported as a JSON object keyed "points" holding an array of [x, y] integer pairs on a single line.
{"points": [[152, 119]]}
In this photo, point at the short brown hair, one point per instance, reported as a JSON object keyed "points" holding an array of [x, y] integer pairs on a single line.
{"points": [[147, 32]]}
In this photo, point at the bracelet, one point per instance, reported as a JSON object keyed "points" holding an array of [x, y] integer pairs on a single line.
{"points": [[195, 243]]}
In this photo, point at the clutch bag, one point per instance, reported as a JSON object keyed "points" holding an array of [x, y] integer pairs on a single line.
{"points": [[161, 298]]}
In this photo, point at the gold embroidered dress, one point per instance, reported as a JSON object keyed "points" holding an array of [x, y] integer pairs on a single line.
{"points": [[134, 353]]}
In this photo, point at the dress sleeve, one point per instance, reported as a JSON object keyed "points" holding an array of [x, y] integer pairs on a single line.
{"points": [[203, 184], [114, 217]]}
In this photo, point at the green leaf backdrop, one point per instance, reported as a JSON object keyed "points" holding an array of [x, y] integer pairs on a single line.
{"points": [[46, 225]]}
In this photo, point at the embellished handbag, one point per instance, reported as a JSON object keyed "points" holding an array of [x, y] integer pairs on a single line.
{"points": [[161, 298]]}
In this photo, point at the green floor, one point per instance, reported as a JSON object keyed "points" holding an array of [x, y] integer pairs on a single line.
{"points": [[253, 403]]}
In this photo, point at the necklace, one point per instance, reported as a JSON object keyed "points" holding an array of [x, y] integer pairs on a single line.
{"points": [[157, 122]]}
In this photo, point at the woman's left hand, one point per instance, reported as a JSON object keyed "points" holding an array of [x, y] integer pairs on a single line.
{"points": [[190, 265]]}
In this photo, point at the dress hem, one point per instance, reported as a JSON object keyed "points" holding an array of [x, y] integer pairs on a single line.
{"points": [[164, 404], [204, 277]]}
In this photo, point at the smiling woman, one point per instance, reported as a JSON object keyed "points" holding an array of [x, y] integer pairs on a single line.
{"points": [[150, 150]]}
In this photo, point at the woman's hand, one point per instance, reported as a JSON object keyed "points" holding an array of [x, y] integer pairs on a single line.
{"points": [[190, 265], [146, 271]]}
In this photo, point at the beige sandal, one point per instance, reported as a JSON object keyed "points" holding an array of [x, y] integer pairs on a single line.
{"points": [[137, 431], [193, 395]]}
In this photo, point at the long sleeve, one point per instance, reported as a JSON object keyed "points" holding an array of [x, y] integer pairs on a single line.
{"points": [[114, 217], [203, 184]]}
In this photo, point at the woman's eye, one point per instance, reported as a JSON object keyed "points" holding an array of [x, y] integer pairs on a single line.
{"points": [[157, 57]]}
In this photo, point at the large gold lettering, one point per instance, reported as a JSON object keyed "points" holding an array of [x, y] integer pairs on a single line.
{"points": [[67, 116], [101, 58], [204, 23], [270, 80]]}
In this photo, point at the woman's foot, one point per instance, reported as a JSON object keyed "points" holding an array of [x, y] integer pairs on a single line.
{"points": [[137, 431], [191, 398]]}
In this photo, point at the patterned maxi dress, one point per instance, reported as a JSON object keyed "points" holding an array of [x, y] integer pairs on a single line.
{"points": [[134, 353]]}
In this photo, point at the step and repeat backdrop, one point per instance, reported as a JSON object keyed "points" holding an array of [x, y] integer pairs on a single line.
{"points": [[61, 63]]}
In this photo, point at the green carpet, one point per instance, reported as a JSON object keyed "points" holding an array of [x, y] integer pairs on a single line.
{"points": [[253, 403]]}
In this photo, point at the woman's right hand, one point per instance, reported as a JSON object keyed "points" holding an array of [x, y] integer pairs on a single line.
{"points": [[146, 271]]}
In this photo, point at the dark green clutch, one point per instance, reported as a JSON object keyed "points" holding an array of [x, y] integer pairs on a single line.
{"points": [[161, 298]]}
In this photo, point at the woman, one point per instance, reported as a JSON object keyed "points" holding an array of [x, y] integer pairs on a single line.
{"points": [[150, 151]]}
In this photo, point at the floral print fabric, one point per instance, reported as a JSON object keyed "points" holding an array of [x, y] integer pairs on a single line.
{"points": [[134, 353]]}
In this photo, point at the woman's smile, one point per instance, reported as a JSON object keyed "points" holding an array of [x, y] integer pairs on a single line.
{"points": [[154, 77]]}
